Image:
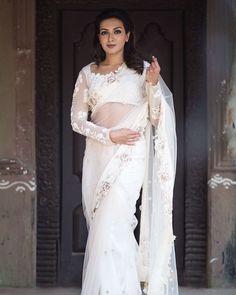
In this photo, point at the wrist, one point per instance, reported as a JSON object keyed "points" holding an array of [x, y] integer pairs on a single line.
{"points": [[153, 83], [110, 137]]}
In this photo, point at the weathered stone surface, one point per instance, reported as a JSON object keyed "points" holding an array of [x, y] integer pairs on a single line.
{"points": [[17, 148], [222, 237], [17, 238], [221, 262]]}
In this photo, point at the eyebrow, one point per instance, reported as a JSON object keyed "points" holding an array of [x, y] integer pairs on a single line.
{"points": [[113, 28]]}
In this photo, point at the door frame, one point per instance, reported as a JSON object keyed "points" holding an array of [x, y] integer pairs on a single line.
{"points": [[48, 129]]}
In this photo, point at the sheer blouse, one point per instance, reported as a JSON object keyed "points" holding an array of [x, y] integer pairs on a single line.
{"points": [[110, 97]]}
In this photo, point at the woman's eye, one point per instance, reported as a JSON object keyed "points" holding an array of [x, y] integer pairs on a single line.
{"points": [[117, 31], [103, 33]]}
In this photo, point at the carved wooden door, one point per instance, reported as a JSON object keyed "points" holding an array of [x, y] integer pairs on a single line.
{"points": [[159, 33]]}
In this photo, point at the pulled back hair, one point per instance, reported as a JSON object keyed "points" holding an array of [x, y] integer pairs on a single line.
{"points": [[132, 57]]}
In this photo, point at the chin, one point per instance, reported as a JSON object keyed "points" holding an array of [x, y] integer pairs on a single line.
{"points": [[113, 50]]}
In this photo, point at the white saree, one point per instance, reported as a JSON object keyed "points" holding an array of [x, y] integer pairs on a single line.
{"points": [[113, 176]]}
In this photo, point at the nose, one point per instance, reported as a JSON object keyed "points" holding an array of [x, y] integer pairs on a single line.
{"points": [[110, 36]]}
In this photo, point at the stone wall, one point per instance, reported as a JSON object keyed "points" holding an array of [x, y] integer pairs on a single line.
{"points": [[17, 148], [221, 53]]}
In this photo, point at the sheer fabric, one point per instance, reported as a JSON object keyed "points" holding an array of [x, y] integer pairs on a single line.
{"points": [[113, 176]]}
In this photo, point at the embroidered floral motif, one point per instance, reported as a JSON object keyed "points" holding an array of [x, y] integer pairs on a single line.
{"points": [[93, 99], [124, 157], [111, 78], [165, 181], [102, 190], [85, 97], [153, 94], [80, 78], [82, 126], [78, 84], [155, 112], [105, 187], [120, 160], [159, 143]]}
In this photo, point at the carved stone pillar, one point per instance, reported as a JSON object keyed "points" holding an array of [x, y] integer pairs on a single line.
{"points": [[17, 150], [221, 51]]}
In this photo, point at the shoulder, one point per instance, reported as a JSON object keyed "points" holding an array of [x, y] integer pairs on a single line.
{"points": [[85, 73], [86, 70]]}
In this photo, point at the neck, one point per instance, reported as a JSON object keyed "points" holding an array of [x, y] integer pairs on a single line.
{"points": [[113, 59]]}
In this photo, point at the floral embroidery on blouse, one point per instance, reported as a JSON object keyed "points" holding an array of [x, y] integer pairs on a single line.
{"points": [[93, 100], [79, 112], [84, 127]]}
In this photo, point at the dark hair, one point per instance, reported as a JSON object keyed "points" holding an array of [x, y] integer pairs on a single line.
{"points": [[132, 57]]}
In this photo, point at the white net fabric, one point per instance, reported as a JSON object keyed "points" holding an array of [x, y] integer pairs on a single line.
{"points": [[126, 101]]}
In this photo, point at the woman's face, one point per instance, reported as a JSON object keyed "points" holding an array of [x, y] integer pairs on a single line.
{"points": [[112, 36]]}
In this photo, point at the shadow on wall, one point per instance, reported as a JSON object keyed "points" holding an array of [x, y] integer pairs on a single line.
{"points": [[230, 259], [231, 110]]}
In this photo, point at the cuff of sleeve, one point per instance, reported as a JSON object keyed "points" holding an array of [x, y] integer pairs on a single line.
{"points": [[109, 141], [156, 89]]}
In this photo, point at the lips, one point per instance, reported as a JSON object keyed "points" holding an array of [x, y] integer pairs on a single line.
{"points": [[111, 45]]}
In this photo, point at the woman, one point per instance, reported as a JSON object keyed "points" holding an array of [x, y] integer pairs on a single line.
{"points": [[125, 96]]}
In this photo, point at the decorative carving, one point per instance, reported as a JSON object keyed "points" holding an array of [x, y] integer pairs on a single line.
{"points": [[219, 180], [195, 148], [20, 186], [47, 143], [12, 166]]}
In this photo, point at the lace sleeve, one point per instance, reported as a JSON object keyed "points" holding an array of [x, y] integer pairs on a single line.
{"points": [[154, 95], [79, 113]]}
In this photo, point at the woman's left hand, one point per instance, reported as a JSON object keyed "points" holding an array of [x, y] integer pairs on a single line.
{"points": [[153, 72]]}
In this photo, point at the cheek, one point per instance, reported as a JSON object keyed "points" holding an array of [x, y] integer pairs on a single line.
{"points": [[122, 39], [100, 39]]}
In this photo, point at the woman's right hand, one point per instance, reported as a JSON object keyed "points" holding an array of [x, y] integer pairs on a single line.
{"points": [[124, 136]]}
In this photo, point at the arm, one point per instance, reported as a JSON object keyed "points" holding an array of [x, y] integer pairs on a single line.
{"points": [[153, 90], [79, 113], [154, 96]]}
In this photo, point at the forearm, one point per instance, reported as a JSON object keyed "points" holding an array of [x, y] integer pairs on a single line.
{"points": [[154, 95], [80, 125]]}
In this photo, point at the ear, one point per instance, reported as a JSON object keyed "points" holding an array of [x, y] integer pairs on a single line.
{"points": [[127, 36]]}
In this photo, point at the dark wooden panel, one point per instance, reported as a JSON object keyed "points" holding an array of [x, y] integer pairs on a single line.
{"points": [[79, 231], [76, 43]]}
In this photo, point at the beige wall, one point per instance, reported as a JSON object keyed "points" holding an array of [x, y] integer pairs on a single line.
{"points": [[7, 80], [17, 144]]}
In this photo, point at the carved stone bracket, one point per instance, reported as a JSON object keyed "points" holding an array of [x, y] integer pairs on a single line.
{"points": [[218, 180]]}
